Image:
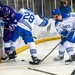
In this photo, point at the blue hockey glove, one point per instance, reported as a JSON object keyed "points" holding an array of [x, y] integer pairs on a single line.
{"points": [[63, 39], [46, 19]]}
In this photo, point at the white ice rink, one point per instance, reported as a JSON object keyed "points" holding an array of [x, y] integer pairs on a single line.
{"points": [[21, 67]]}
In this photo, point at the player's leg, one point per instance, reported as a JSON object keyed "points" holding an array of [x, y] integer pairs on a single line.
{"points": [[60, 53], [33, 53], [12, 52], [30, 42], [15, 36], [68, 45], [7, 43]]}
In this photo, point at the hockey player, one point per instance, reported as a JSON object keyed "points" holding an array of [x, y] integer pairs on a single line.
{"points": [[24, 29], [8, 15], [65, 26], [65, 8]]}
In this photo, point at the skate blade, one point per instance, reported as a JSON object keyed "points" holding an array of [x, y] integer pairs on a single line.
{"points": [[12, 60], [5, 60], [70, 63], [9, 60]]}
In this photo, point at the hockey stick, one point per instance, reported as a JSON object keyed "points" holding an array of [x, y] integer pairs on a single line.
{"points": [[50, 52], [42, 71], [19, 32], [56, 46]]}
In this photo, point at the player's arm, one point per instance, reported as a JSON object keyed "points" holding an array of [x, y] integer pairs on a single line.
{"points": [[60, 31], [14, 20], [60, 28], [41, 22]]}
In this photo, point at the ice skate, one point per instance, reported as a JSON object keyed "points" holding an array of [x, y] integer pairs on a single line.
{"points": [[12, 56], [58, 58], [4, 59], [67, 62], [35, 61], [71, 60]]}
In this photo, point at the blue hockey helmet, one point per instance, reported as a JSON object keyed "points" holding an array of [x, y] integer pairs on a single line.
{"points": [[5, 11], [30, 9], [56, 11], [66, 15]]}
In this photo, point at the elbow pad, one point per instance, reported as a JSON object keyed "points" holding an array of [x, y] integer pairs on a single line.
{"points": [[45, 22]]}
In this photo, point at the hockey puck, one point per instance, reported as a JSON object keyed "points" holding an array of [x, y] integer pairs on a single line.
{"points": [[23, 60]]}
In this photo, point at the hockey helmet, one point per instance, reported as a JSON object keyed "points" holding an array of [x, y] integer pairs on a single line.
{"points": [[66, 15], [5, 11], [56, 11], [30, 9]]}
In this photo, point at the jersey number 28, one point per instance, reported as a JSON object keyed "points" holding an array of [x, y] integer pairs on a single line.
{"points": [[28, 17]]}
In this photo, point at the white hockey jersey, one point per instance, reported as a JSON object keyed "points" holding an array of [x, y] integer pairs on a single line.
{"points": [[29, 19], [66, 27]]}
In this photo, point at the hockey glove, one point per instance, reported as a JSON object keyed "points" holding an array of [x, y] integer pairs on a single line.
{"points": [[46, 19], [63, 39]]}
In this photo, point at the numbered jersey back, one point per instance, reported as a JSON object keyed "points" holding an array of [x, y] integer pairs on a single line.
{"points": [[28, 16]]}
